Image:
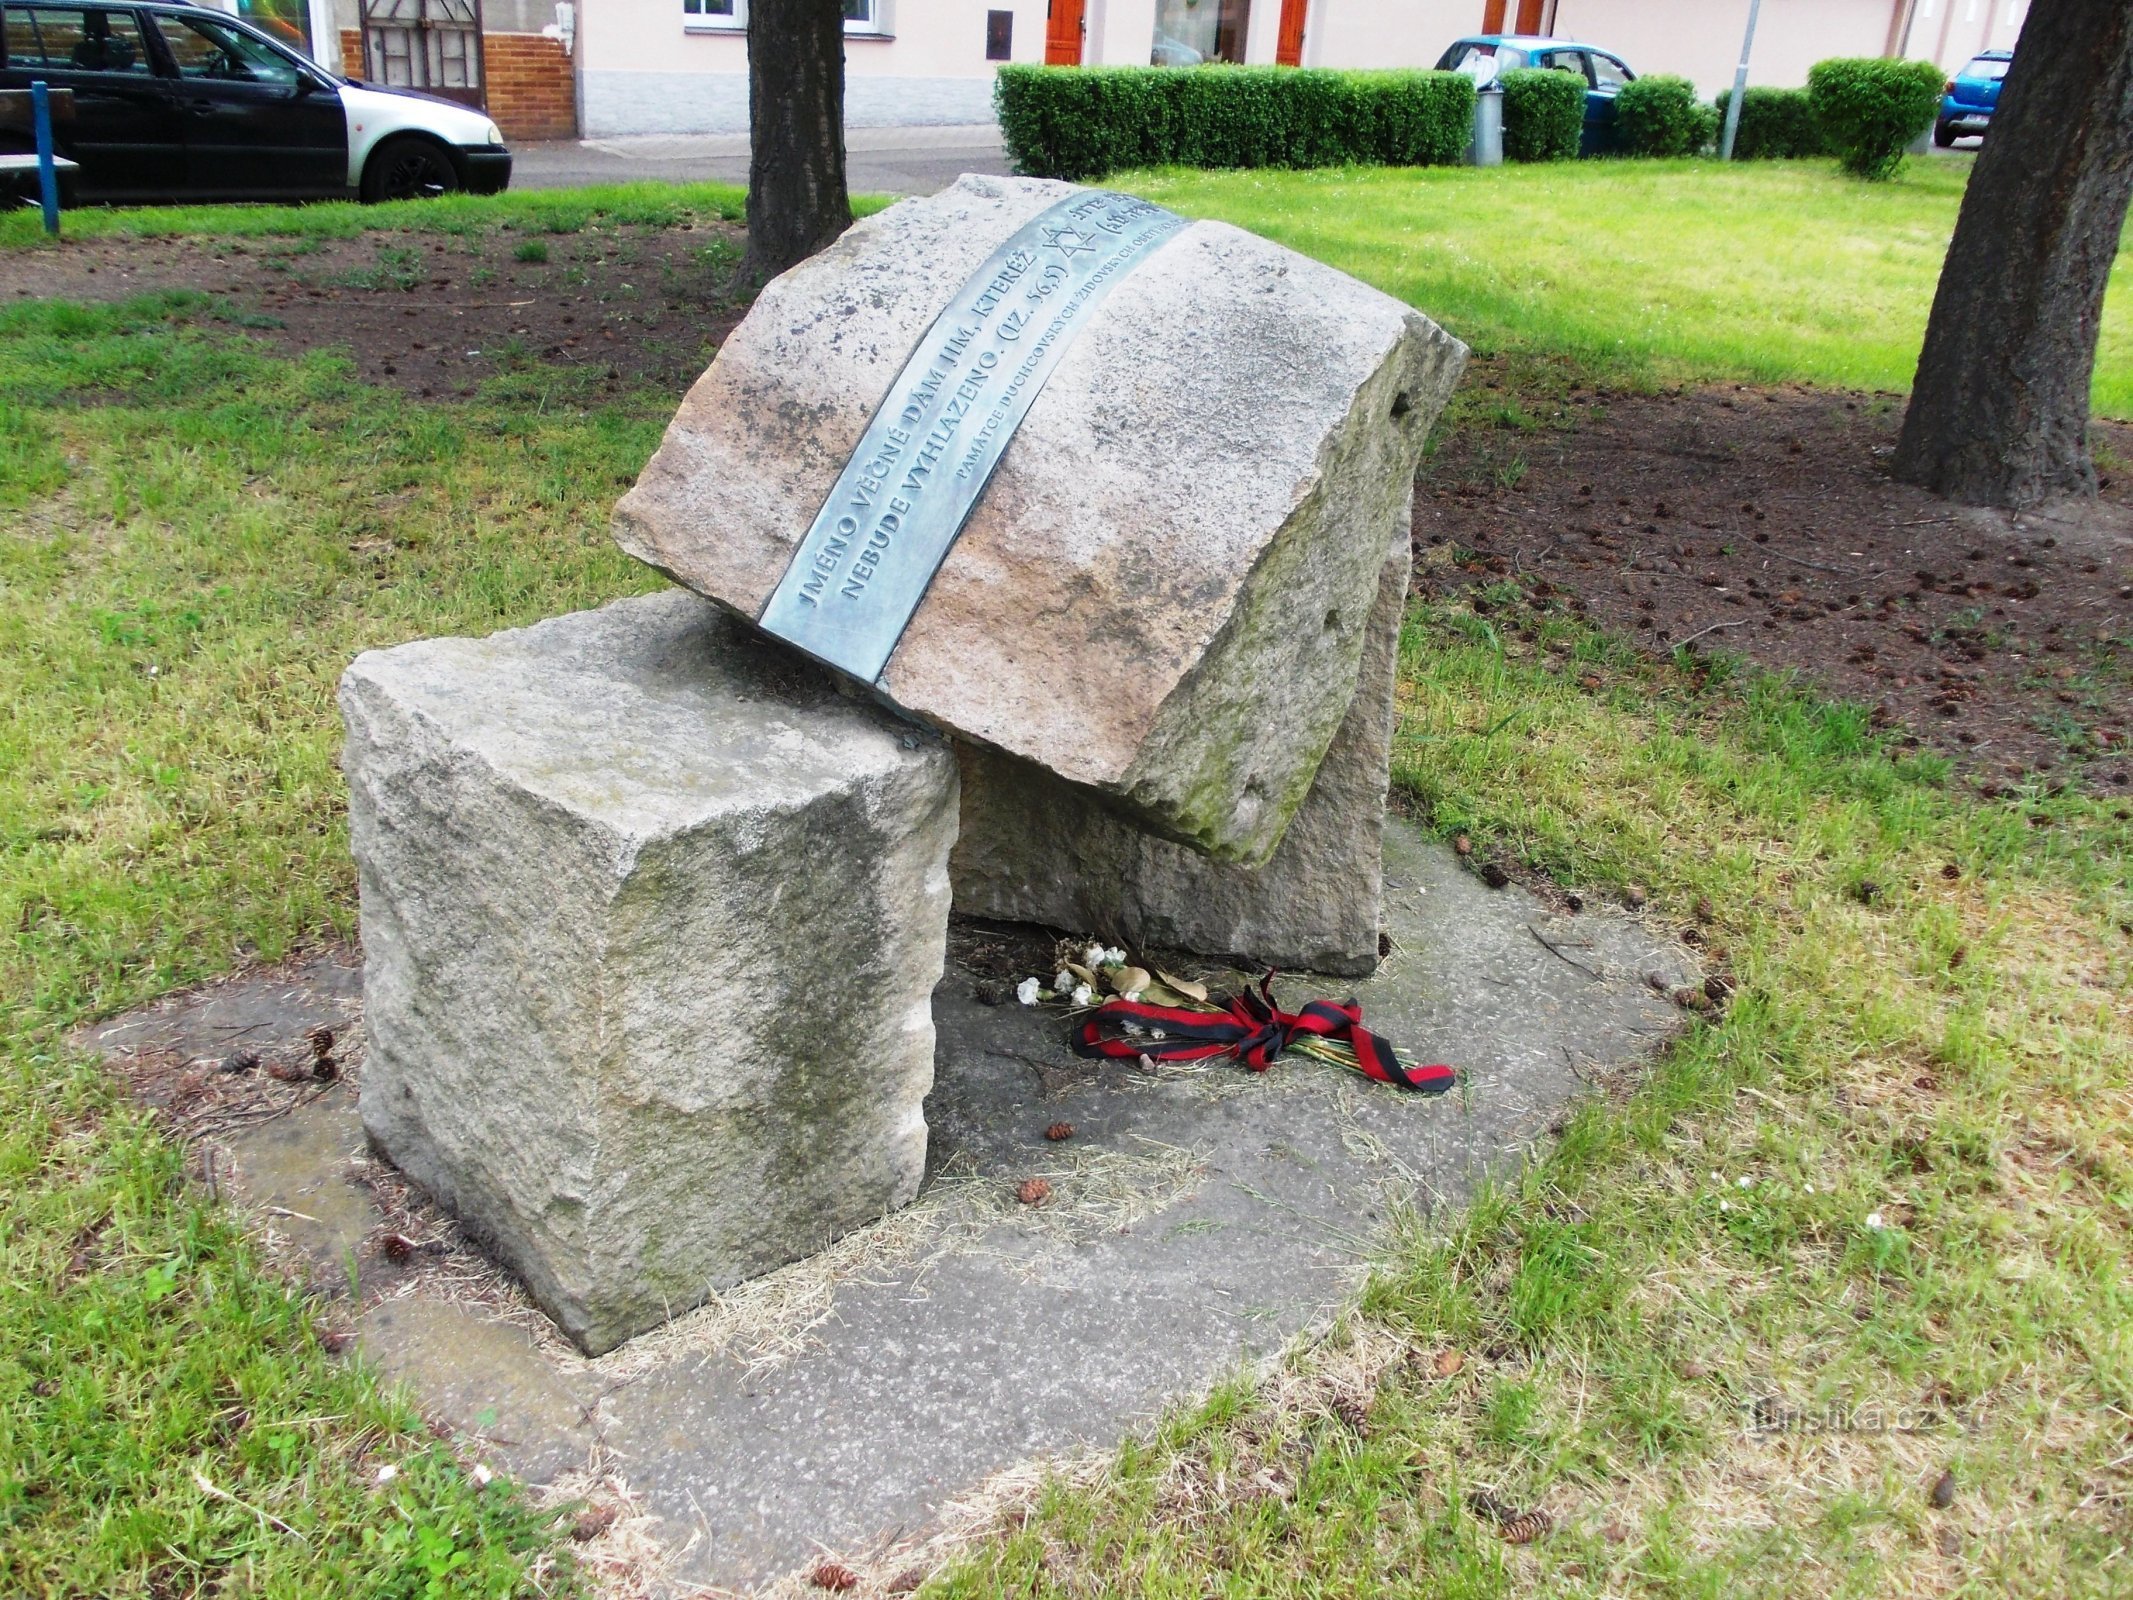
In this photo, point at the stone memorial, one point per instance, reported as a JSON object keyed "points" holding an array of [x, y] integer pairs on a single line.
{"points": [[652, 917], [1162, 588], [1093, 522], [1035, 849]]}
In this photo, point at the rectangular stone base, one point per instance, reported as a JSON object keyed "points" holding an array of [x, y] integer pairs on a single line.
{"points": [[652, 916], [1035, 849]]}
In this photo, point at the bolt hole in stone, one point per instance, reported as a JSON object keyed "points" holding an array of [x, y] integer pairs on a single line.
{"points": [[1401, 405], [1333, 621]]}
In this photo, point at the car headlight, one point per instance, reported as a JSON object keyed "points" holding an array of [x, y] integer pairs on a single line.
{"points": [[492, 134]]}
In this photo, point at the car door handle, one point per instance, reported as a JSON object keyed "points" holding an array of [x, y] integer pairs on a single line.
{"points": [[201, 108]]}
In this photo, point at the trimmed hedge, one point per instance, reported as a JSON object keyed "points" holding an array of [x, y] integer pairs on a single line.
{"points": [[1543, 114], [1869, 109], [1775, 125], [1661, 116], [1081, 122]]}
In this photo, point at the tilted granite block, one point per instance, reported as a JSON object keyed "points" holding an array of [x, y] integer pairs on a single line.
{"points": [[1033, 849], [652, 915], [1161, 594]]}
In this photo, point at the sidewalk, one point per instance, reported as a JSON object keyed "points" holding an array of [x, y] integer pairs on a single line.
{"points": [[917, 160]]}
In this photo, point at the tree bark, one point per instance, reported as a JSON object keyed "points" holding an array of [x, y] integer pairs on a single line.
{"points": [[797, 201], [1999, 411]]}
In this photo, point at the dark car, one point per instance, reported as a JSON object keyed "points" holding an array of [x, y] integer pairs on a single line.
{"points": [[177, 102], [1485, 57], [1972, 96]]}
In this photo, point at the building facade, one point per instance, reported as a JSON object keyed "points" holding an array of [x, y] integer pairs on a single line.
{"points": [[549, 69]]}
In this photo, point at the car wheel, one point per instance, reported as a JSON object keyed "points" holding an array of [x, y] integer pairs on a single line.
{"points": [[409, 168], [1944, 135]]}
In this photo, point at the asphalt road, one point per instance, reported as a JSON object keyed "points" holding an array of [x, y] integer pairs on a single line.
{"points": [[879, 160]]}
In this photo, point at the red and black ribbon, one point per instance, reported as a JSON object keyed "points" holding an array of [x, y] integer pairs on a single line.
{"points": [[1251, 1027]]}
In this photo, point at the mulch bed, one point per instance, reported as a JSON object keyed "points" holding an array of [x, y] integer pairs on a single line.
{"points": [[434, 314], [1764, 522]]}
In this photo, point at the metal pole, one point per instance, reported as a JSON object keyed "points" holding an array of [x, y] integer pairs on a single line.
{"points": [[47, 176], [1740, 84]]}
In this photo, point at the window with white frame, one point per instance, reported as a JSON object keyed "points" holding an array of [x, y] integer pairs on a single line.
{"points": [[860, 16]]}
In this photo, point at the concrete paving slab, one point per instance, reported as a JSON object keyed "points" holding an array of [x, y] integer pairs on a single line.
{"points": [[1199, 1217]]}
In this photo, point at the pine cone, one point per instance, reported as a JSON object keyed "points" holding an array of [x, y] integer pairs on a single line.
{"points": [[1059, 1130], [1527, 1527], [834, 1576], [321, 1039], [1033, 1192]]}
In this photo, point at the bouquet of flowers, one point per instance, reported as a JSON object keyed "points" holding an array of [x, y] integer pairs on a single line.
{"points": [[1131, 1011]]}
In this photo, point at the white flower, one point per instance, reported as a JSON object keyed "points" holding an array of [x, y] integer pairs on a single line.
{"points": [[1083, 994], [481, 1476], [387, 1473], [1807, 1188], [1132, 994], [1027, 991], [1725, 1205], [1715, 1178], [1114, 957], [1093, 956], [1062, 981], [1874, 1219], [1744, 1181]]}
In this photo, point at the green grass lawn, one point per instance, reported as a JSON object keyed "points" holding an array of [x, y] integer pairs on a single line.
{"points": [[1896, 1172], [1765, 271]]}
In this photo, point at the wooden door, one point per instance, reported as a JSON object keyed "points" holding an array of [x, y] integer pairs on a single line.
{"points": [[1062, 33], [1289, 44], [1530, 19], [1492, 16]]}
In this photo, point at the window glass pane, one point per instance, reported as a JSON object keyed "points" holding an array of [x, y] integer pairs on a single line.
{"points": [[88, 40], [1184, 32], [723, 10], [860, 11], [208, 50], [1982, 68], [1608, 74], [1188, 32]]}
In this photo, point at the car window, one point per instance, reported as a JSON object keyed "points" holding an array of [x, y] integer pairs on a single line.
{"points": [[1562, 61], [1607, 72], [207, 49], [71, 39], [1987, 69]]}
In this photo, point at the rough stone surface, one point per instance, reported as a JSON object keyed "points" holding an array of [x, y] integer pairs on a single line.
{"points": [[651, 913], [1162, 593], [1034, 849]]}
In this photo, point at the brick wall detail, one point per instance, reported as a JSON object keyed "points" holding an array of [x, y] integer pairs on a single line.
{"points": [[531, 91]]}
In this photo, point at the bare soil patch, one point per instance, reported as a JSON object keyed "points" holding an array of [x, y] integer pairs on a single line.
{"points": [[1764, 522], [434, 314]]}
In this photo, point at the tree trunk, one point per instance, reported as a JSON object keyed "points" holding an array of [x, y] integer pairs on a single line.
{"points": [[1999, 411], [796, 195]]}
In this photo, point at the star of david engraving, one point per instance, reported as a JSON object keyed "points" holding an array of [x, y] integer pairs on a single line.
{"points": [[1068, 241]]}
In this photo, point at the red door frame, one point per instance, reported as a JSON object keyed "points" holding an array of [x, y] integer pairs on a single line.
{"points": [[1063, 29], [1289, 43]]}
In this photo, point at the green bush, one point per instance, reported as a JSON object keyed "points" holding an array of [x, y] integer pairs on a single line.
{"points": [[1661, 116], [1775, 124], [1543, 114], [1081, 122], [1869, 109]]}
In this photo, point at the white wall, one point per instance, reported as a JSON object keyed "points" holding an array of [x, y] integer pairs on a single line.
{"points": [[641, 70], [1701, 41], [1952, 31]]}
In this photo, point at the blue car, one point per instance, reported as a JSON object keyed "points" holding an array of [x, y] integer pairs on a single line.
{"points": [[1972, 96], [1486, 56]]}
